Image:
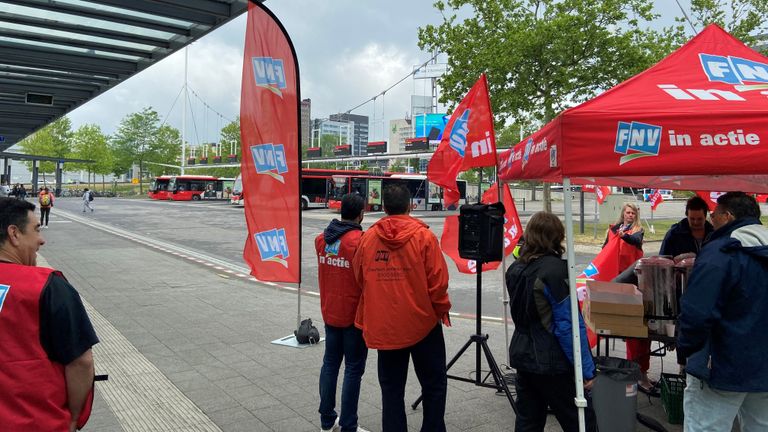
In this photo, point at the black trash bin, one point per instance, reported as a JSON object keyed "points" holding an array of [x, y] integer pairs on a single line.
{"points": [[614, 394]]}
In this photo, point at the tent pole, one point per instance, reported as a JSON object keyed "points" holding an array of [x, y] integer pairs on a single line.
{"points": [[581, 403], [504, 298]]}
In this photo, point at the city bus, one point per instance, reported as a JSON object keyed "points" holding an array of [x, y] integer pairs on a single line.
{"points": [[315, 184], [424, 194], [196, 187], [158, 189]]}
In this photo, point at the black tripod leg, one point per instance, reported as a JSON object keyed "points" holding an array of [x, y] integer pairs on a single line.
{"points": [[497, 375], [455, 358]]}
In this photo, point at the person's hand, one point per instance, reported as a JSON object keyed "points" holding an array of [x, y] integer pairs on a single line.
{"points": [[588, 384]]}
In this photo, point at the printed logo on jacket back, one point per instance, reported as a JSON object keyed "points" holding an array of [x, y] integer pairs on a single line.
{"points": [[273, 246]]}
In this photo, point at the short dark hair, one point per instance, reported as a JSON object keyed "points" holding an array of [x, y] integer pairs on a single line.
{"points": [[544, 234], [696, 203], [396, 199], [351, 206], [739, 204], [13, 212]]}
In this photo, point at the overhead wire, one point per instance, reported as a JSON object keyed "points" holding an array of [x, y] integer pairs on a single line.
{"points": [[685, 14]]}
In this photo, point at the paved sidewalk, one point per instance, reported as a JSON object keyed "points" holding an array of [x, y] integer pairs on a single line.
{"points": [[188, 347]]}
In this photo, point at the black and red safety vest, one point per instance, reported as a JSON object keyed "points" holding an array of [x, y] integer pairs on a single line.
{"points": [[33, 389]]}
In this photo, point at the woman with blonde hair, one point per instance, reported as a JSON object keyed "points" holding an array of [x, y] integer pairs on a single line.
{"points": [[630, 249], [541, 349]]}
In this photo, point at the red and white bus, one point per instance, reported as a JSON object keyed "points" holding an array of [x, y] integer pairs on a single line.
{"points": [[196, 187], [158, 189]]}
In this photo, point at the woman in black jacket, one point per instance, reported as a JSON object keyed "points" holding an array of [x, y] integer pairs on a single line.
{"points": [[542, 347]]}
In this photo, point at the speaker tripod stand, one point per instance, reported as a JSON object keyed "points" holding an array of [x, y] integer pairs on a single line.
{"points": [[481, 345]]}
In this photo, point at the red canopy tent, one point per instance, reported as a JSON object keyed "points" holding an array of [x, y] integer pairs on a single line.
{"points": [[698, 119]]}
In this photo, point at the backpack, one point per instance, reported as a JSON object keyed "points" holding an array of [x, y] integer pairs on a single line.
{"points": [[307, 333], [45, 200], [90, 196]]}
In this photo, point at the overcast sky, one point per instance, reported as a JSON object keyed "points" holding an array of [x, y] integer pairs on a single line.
{"points": [[348, 50]]}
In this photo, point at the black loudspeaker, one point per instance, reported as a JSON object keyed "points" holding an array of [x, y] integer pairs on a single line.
{"points": [[481, 232]]}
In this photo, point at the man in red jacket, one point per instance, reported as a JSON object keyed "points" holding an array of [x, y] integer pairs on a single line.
{"points": [[339, 297], [404, 279], [46, 364]]}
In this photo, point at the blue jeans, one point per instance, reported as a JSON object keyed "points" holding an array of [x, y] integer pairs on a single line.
{"points": [[429, 364], [707, 409], [347, 344]]}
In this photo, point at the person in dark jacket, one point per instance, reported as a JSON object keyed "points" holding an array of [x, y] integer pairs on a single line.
{"points": [[542, 349], [688, 235], [723, 322], [339, 298]]}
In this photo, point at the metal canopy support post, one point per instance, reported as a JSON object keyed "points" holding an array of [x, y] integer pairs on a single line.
{"points": [[581, 402], [35, 172], [59, 169]]}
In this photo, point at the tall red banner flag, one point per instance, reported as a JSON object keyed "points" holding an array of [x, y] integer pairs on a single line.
{"points": [[470, 141], [513, 230], [269, 128]]}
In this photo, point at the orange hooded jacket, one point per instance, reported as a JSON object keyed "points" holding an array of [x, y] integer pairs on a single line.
{"points": [[404, 280]]}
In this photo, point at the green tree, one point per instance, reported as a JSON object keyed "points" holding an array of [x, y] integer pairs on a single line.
{"points": [[746, 20], [230, 138], [328, 143], [88, 142], [140, 139], [397, 166], [167, 150], [54, 140], [542, 55]]}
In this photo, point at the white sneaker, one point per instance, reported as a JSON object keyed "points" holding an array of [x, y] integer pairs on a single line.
{"points": [[334, 428], [359, 429]]}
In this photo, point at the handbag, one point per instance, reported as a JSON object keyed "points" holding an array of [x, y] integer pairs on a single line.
{"points": [[307, 333]]}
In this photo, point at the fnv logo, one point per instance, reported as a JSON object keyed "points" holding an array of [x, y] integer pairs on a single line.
{"points": [[273, 246], [735, 70], [381, 255], [636, 140], [457, 139], [269, 73], [3, 293], [269, 159], [527, 152], [591, 271], [333, 248]]}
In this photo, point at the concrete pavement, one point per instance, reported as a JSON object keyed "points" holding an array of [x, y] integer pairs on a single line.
{"points": [[188, 347]]}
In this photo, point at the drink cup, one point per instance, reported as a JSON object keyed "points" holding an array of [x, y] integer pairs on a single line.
{"points": [[670, 328]]}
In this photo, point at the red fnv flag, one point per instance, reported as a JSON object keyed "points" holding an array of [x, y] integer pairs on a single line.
{"points": [[470, 141], [513, 230], [656, 199]]}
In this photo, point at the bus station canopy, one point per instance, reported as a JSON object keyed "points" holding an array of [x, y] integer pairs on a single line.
{"points": [[57, 55], [697, 120]]}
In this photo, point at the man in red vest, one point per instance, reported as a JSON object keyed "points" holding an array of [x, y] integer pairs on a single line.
{"points": [[46, 364], [339, 297]]}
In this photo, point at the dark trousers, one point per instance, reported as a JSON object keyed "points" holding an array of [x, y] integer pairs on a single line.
{"points": [[535, 392], [44, 213], [342, 343], [429, 364]]}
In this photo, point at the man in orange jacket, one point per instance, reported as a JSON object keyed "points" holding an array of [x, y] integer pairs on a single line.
{"points": [[339, 297], [404, 281]]}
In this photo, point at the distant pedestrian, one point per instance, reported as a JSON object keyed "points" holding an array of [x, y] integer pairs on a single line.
{"points": [[404, 279], [45, 198], [87, 198], [46, 362], [22, 192], [339, 297]]}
